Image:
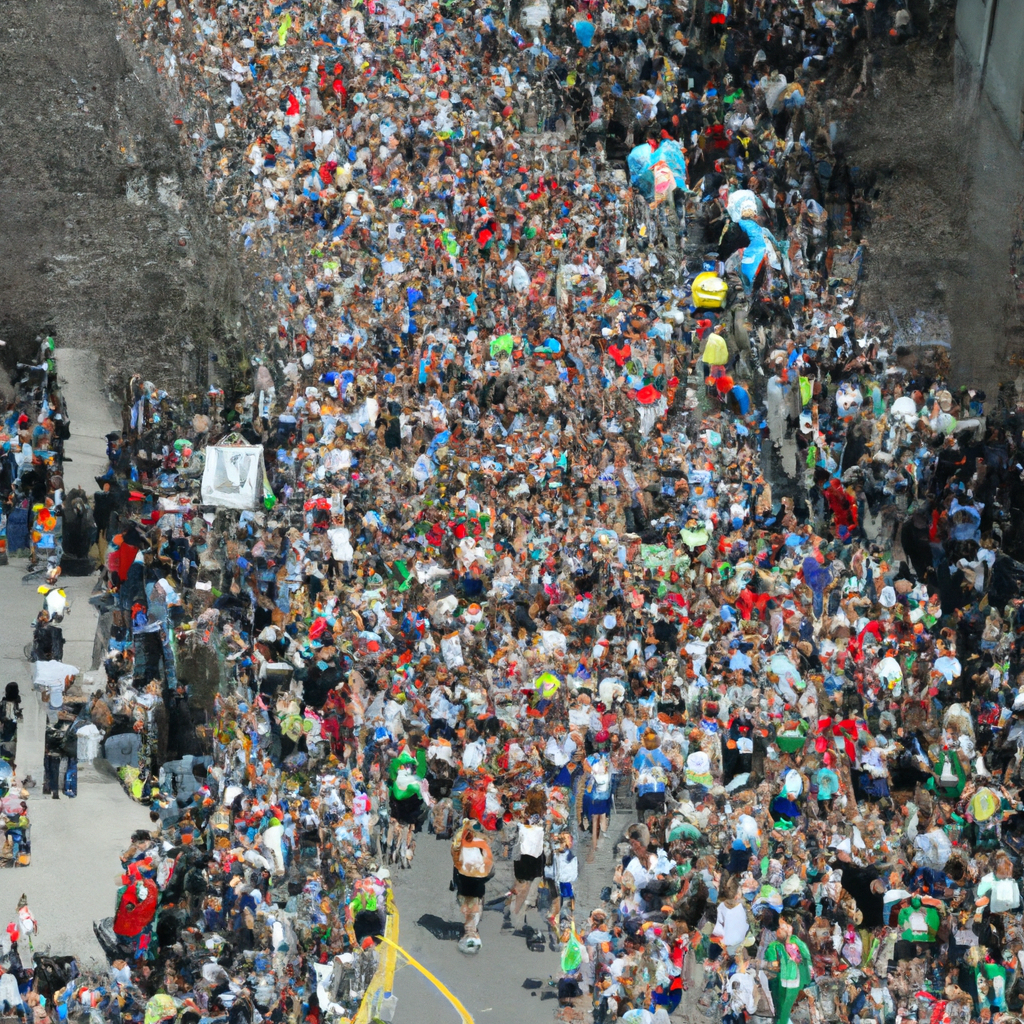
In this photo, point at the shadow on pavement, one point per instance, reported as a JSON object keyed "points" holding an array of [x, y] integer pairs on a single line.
{"points": [[446, 931]]}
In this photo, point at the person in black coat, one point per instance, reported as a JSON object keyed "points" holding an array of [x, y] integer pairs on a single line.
{"points": [[181, 729], [393, 431], [867, 888], [107, 504]]}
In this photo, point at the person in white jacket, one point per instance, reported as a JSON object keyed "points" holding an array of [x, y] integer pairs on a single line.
{"points": [[998, 890], [528, 866], [273, 842]]}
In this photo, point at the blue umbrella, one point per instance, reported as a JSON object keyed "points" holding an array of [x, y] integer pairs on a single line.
{"points": [[584, 31]]}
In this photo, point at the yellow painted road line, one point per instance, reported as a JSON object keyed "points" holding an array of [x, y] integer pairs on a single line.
{"points": [[462, 1011]]}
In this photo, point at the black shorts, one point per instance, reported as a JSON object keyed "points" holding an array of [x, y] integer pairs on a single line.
{"points": [[466, 886], [407, 811], [527, 868], [651, 802]]}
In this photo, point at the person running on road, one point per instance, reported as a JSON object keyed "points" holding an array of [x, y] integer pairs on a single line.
{"points": [[473, 863]]}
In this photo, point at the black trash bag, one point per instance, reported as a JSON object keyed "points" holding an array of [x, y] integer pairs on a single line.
{"points": [[52, 973], [108, 939], [568, 988]]}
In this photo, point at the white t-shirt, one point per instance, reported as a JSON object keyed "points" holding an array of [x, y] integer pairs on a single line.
{"points": [[731, 924], [531, 840]]}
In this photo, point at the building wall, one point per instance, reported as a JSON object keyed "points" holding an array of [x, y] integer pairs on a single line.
{"points": [[990, 36], [108, 240]]}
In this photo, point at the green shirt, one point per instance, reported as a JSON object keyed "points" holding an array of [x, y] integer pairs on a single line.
{"points": [[401, 789], [792, 975], [919, 923]]}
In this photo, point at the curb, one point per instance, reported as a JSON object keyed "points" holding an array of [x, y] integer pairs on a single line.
{"points": [[383, 979]]}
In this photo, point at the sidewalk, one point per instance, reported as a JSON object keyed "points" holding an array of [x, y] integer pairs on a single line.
{"points": [[76, 843]]}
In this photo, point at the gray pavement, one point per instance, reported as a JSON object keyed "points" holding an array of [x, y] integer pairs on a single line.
{"points": [[75, 870], [489, 983]]}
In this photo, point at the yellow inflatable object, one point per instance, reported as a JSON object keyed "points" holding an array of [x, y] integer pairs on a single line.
{"points": [[709, 291], [716, 352]]}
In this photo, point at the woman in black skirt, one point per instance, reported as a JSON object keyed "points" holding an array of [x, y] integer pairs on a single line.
{"points": [[529, 864]]}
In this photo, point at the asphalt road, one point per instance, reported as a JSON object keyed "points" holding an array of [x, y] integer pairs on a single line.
{"points": [[490, 984]]}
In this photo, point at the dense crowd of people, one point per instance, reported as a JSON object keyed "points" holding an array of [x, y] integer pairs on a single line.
{"points": [[35, 426], [568, 477]]}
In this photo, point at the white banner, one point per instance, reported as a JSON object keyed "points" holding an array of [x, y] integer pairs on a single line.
{"points": [[233, 477]]}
